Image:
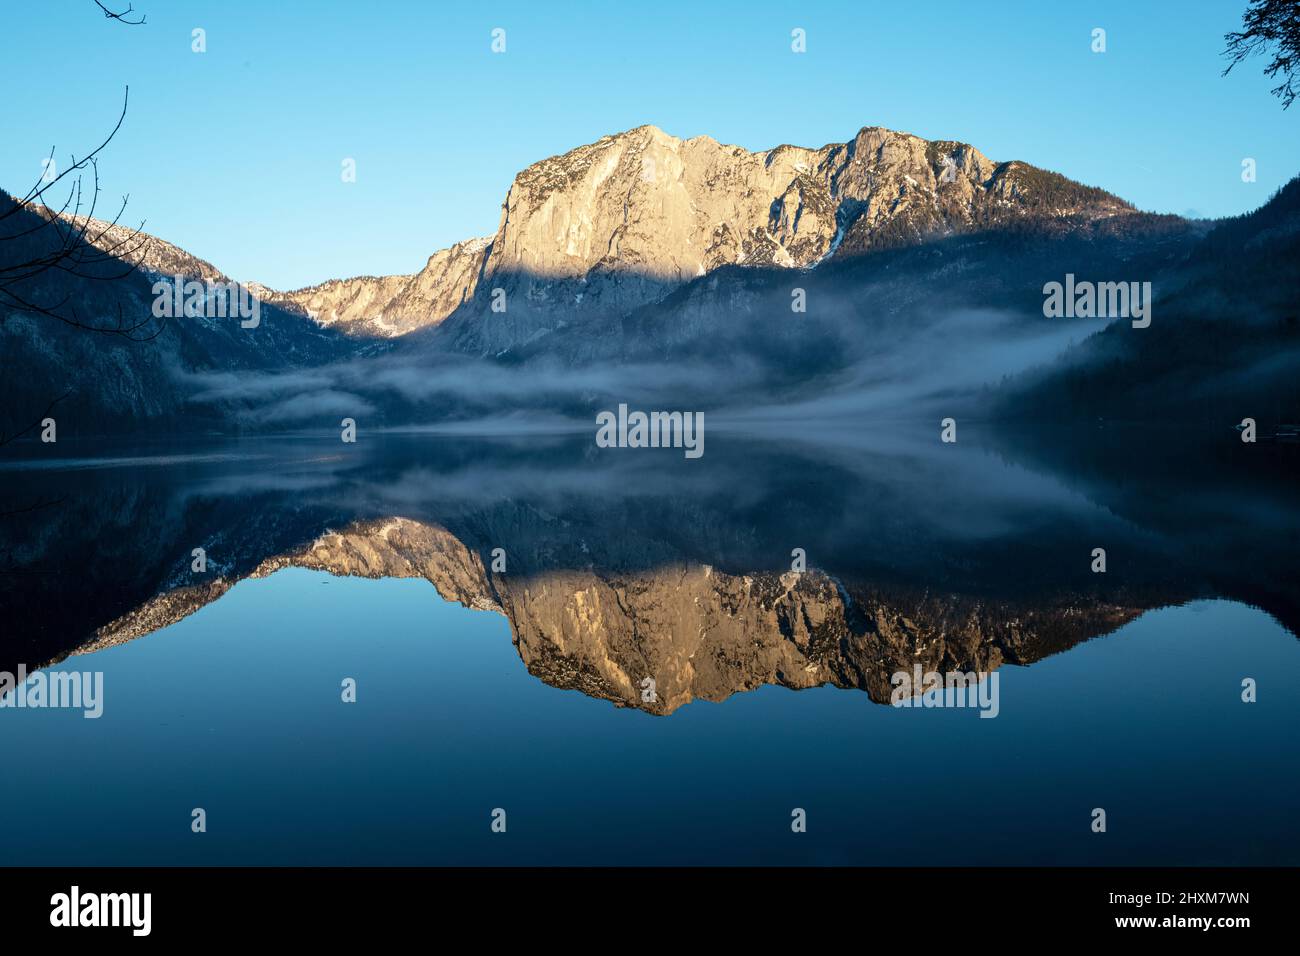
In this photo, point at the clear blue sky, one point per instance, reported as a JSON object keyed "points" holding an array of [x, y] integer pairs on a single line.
{"points": [[235, 154]]}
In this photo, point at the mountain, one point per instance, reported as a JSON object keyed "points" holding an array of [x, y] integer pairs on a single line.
{"points": [[652, 269], [619, 223], [392, 305], [114, 382], [1224, 342]]}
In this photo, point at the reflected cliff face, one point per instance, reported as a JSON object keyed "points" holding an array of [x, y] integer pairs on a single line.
{"points": [[613, 566]]}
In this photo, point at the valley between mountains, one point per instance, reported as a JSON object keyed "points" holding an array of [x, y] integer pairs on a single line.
{"points": [[647, 268]]}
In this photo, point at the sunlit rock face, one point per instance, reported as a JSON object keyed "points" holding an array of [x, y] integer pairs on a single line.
{"points": [[625, 220], [390, 306]]}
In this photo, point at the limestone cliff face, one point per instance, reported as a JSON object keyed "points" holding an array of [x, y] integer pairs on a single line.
{"points": [[696, 632], [389, 306], [623, 221]]}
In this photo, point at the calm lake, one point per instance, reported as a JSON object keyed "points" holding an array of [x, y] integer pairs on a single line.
{"points": [[644, 659]]}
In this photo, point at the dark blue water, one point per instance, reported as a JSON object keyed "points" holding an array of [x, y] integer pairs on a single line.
{"points": [[235, 706], [237, 710]]}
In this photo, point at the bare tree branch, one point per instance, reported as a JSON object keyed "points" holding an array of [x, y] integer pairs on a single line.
{"points": [[72, 241], [6, 438], [38, 189], [1270, 23], [121, 17]]}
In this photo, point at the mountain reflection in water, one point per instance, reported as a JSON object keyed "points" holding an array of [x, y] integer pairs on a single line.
{"points": [[622, 565]]}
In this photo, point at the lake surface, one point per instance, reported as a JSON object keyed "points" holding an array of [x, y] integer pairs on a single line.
{"points": [[521, 687]]}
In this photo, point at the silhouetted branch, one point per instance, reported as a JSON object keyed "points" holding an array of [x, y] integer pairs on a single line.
{"points": [[121, 17], [6, 438], [34, 506], [1270, 23], [81, 246], [38, 190]]}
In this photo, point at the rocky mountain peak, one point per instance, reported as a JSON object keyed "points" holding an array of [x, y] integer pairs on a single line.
{"points": [[623, 221]]}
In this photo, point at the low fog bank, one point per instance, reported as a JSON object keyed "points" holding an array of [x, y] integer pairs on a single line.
{"points": [[945, 366]]}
